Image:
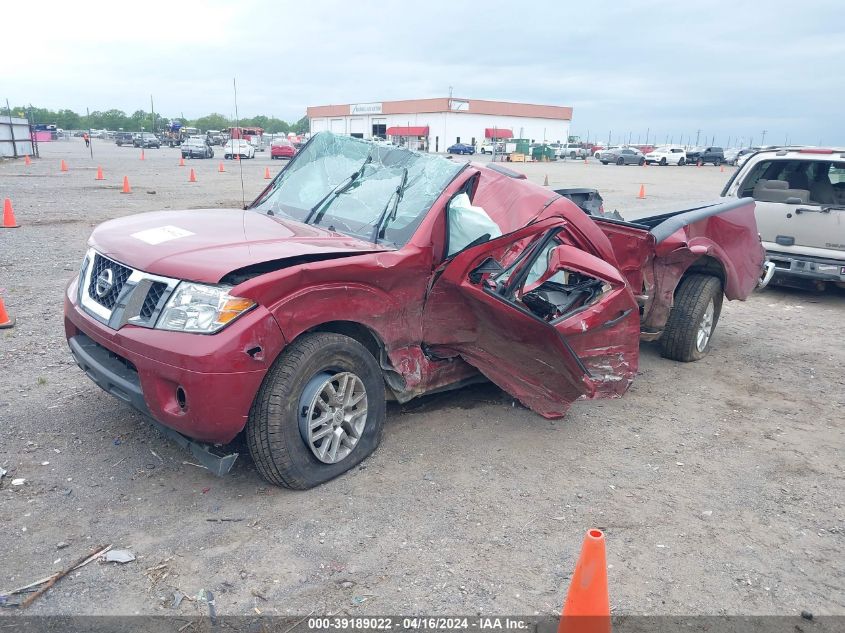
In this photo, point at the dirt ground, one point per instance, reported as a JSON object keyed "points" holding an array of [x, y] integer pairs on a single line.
{"points": [[719, 483]]}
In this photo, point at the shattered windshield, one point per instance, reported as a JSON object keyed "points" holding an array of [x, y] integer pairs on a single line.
{"points": [[376, 192]]}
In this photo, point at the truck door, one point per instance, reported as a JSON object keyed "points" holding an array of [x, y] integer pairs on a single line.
{"points": [[541, 318]]}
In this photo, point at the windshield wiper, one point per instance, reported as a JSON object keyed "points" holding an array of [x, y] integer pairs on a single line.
{"points": [[389, 212], [343, 186]]}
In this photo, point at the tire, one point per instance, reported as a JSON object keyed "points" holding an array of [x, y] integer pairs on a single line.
{"points": [[663, 162], [642, 162], [572, 155], [696, 296], [273, 434], [227, 156], [717, 162], [604, 162], [620, 161], [681, 161]]}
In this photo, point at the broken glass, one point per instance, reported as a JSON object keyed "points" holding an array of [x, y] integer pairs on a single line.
{"points": [[345, 184]]}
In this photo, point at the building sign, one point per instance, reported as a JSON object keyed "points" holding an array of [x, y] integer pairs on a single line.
{"points": [[458, 106], [365, 108]]}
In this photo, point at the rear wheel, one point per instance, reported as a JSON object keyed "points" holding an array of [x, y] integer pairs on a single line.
{"points": [[572, 155], [604, 162], [689, 330], [681, 161], [620, 161], [319, 412], [663, 162], [642, 162], [717, 162]]}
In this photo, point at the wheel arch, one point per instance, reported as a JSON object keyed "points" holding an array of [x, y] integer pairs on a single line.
{"points": [[705, 265]]}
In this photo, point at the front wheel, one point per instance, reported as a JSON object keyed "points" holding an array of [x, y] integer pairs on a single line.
{"points": [[620, 161], [693, 318], [604, 162], [319, 412], [717, 162], [663, 162], [642, 162], [681, 162], [572, 155]]}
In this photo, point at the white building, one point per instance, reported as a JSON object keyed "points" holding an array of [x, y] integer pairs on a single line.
{"points": [[435, 124]]}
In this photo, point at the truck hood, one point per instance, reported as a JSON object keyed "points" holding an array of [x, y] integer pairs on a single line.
{"points": [[204, 245]]}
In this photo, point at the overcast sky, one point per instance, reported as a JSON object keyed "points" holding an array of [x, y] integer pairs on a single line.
{"points": [[727, 68]]}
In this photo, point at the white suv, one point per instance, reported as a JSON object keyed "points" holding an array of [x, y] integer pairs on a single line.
{"points": [[800, 209], [667, 155]]}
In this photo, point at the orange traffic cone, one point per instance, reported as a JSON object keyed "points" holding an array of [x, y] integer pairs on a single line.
{"points": [[698, 164], [9, 221], [100, 174], [126, 188], [266, 173], [193, 176], [587, 606], [181, 161], [5, 320], [63, 165], [641, 195], [27, 161], [220, 167], [237, 156], [142, 154], [722, 168]]}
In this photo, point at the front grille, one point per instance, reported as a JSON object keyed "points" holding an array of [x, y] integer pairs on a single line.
{"points": [[157, 289], [107, 297]]}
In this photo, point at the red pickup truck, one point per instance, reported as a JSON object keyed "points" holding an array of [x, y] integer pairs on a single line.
{"points": [[365, 272]]}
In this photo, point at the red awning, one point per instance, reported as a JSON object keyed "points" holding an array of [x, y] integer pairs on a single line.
{"points": [[497, 132], [408, 131]]}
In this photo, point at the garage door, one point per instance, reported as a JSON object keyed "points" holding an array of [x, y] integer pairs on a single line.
{"points": [[356, 126], [338, 126], [318, 125]]}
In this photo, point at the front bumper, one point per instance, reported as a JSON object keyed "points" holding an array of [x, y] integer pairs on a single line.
{"points": [[805, 267], [199, 385]]}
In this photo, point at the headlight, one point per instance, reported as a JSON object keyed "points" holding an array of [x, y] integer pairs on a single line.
{"points": [[199, 308]]}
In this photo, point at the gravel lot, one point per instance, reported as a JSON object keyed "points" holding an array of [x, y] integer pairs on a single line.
{"points": [[719, 483]]}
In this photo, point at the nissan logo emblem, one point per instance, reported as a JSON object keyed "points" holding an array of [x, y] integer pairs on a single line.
{"points": [[105, 282]]}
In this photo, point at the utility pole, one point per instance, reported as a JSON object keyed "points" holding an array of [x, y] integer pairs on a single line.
{"points": [[697, 135], [153, 114], [763, 139], [647, 130]]}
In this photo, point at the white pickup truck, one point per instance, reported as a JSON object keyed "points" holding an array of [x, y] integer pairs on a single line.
{"points": [[800, 196]]}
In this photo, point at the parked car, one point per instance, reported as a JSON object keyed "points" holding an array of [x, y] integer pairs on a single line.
{"points": [[622, 156], [293, 319], [598, 150], [460, 148], [702, 155], [744, 154], [124, 138], [666, 155], [146, 140], [487, 148], [197, 148], [238, 147], [215, 137], [282, 148], [800, 196]]}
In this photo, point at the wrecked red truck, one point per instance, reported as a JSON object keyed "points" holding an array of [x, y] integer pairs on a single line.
{"points": [[365, 272]]}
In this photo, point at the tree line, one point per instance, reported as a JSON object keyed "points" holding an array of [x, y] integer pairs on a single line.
{"points": [[118, 119]]}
